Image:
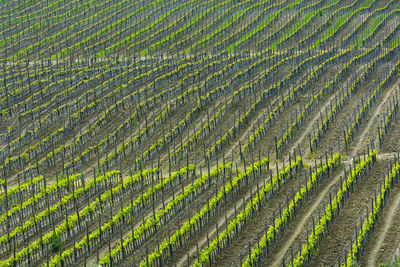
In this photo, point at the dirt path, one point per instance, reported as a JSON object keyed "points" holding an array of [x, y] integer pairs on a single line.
{"points": [[192, 251], [230, 212], [276, 259], [390, 216], [361, 142]]}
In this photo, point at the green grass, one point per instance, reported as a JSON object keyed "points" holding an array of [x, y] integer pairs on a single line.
{"points": [[391, 263], [371, 28], [339, 22], [299, 25], [367, 3], [256, 29]]}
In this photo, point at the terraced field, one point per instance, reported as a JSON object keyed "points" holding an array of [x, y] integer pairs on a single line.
{"points": [[199, 133]]}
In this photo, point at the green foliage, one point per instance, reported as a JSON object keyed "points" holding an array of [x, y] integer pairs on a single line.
{"points": [[62, 176], [339, 22], [367, 3], [286, 213], [371, 28], [354, 263], [56, 243], [273, 16], [330, 208], [395, 262], [306, 19], [151, 222]]}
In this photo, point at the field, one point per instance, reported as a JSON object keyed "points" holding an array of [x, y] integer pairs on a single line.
{"points": [[199, 132]]}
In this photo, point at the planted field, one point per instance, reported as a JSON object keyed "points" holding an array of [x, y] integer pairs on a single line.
{"points": [[199, 133]]}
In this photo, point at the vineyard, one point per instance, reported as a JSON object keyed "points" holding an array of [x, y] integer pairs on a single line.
{"points": [[199, 133]]}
